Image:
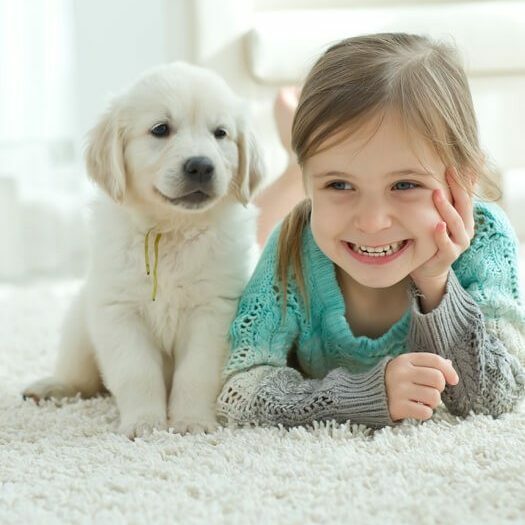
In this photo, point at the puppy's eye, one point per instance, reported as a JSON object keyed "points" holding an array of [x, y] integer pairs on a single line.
{"points": [[160, 130], [220, 133]]}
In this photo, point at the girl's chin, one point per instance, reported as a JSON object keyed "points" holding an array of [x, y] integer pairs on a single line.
{"points": [[378, 276], [380, 283]]}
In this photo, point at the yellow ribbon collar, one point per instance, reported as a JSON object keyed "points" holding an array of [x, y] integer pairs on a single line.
{"points": [[155, 262]]}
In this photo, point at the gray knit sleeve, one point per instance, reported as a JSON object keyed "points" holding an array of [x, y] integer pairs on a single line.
{"points": [[491, 378], [268, 395]]}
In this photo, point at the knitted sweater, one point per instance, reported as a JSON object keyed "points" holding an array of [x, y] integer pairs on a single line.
{"points": [[479, 325]]}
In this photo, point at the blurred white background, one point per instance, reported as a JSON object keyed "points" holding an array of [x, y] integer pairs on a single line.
{"points": [[61, 61]]}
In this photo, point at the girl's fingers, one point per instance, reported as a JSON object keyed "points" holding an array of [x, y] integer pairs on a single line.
{"points": [[453, 220], [462, 201], [425, 394], [419, 411], [447, 252], [428, 359], [430, 377]]}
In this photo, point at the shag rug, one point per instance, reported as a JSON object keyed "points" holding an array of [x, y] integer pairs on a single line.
{"points": [[68, 465]]}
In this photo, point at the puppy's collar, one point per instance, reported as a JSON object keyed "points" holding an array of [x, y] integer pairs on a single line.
{"points": [[155, 261]]}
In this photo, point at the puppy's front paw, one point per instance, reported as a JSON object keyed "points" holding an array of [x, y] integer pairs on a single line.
{"points": [[48, 388], [142, 427], [193, 426]]}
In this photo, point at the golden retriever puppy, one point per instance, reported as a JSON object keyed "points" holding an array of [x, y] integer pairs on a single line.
{"points": [[174, 243]]}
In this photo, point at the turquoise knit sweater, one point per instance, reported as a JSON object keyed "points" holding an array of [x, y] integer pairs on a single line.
{"points": [[483, 283]]}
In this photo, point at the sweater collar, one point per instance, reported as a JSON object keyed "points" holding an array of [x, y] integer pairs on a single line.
{"points": [[324, 288]]}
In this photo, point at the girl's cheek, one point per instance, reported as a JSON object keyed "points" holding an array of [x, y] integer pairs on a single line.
{"points": [[430, 220], [324, 222], [422, 218]]}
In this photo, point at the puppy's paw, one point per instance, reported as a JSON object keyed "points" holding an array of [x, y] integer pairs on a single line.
{"points": [[193, 426], [142, 427], [48, 388]]}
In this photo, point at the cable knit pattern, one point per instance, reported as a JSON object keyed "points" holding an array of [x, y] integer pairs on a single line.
{"points": [[480, 325]]}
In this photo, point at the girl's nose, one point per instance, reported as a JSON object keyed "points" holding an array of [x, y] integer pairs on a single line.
{"points": [[371, 217]]}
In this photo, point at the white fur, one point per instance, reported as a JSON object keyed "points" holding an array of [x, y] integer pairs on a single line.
{"points": [[162, 359]]}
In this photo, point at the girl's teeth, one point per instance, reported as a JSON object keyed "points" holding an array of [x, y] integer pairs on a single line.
{"points": [[389, 249]]}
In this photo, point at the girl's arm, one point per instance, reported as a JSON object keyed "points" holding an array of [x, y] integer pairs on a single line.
{"points": [[260, 386], [268, 395], [481, 329]]}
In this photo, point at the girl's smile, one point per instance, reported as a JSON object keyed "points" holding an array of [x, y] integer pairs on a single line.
{"points": [[378, 255]]}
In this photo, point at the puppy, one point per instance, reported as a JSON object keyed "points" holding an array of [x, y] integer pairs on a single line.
{"points": [[173, 246]]}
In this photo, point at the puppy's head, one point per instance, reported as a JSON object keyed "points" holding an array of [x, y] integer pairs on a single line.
{"points": [[177, 140]]}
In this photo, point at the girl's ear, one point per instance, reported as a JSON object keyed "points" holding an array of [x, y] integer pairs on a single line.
{"points": [[251, 167], [105, 155]]}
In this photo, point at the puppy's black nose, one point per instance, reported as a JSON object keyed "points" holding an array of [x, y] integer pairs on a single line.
{"points": [[199, 169]]}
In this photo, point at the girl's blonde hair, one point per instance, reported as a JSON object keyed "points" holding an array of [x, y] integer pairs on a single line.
{"points": [[365, 76]]}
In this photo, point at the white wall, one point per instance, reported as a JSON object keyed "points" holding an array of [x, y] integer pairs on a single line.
{"points": [[114, 42]]}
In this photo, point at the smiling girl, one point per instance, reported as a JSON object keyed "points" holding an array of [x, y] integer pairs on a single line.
{"points": [[392, 286]]}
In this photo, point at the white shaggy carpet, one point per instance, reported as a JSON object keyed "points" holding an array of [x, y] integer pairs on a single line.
{"points": [[67, 465]]}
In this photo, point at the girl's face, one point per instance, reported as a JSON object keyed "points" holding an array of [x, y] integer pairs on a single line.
{"points": [[374, 190]]}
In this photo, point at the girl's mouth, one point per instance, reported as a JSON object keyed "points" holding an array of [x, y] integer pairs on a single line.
{"points": [[381, 255]]}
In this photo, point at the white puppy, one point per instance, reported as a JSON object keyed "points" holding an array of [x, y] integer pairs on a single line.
{"points": [[173, 246]]}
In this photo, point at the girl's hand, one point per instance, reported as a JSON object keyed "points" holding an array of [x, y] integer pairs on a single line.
{"points": [[414, 383], [452, 237]]}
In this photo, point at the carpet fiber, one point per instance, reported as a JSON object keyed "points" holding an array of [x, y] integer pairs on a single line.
{"points": [[67, 465]]}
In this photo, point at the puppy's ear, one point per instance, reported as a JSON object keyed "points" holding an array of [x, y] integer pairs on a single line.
{"points": [[251, 167], [105, 155]]}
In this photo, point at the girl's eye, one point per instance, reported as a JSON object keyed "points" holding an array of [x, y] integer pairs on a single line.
{"points": [[160, 130], [339, 185], [220, 133], [406, 185]]}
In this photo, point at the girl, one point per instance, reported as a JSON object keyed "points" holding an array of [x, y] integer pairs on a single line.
{"points": [[389, 288]]}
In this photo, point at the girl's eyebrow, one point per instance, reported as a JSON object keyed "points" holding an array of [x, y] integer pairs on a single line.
{"points": [[402, 172], [410, 171]]}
